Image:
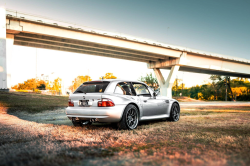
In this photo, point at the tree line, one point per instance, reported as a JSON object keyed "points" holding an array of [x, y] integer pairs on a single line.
{"points": [[220, 88], [37, 85], [55, 86], [81, 79]]}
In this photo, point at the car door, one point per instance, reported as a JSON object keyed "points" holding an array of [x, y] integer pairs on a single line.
{"points": [[162, 103], [147, 100]]}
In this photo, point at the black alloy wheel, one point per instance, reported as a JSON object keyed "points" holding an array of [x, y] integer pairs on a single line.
{"points": [[175, 113], [132, 118], [129, 119]]}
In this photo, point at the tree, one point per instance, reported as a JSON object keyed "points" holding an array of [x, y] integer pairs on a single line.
{"points": [[237, 91], [220, 86], [108, 76], [57, 84], [150, 81], [216, 90], [194, 91], [177, 86], [41, 85], [214, 85], [30, 84], [78, 81], [240, 87]]}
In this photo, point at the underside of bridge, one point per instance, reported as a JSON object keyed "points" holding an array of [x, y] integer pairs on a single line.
{"points": [[30, 33], [84, 47]]}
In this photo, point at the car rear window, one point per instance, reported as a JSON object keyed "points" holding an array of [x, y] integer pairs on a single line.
{"points": [[92, 87]]}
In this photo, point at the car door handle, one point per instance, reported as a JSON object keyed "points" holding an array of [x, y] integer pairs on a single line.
{"points": [[145, 101]]}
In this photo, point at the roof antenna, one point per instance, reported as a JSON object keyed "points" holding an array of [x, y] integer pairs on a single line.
{"points": [[102, 78]]}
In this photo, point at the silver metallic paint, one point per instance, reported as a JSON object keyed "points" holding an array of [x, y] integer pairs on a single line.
{"points": [[114, 114]]}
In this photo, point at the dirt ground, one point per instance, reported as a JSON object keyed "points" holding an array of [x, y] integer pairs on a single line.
{"points": [[205, 135]]}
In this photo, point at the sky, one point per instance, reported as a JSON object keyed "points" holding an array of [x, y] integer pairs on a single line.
{"points": [[221, 27]]}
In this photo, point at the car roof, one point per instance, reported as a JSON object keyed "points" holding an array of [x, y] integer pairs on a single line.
{"points": [[117, 80]]}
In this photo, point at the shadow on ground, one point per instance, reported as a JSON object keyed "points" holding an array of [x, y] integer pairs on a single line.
{"points": [[58, 117]]}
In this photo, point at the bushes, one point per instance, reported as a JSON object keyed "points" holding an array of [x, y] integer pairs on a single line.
{"points": [[243, 98]]}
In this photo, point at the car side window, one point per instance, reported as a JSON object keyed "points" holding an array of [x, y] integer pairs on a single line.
{"points": [[124, 88], [141, 89]]}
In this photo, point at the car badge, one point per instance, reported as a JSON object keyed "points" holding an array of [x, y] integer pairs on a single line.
{"points": [[83, 97]]}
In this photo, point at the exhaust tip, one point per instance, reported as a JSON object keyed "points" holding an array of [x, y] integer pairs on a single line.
{"points": [[93, 120]]}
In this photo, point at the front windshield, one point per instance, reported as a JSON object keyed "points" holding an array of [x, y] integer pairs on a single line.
{"points": [[92, 87]]}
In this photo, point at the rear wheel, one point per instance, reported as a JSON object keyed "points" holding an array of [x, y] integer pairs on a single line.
{"points": [[175, 113], [129, 119]]}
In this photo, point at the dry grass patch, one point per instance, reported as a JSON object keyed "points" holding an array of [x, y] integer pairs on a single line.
{"points": [[218, 139], [203, 137]]}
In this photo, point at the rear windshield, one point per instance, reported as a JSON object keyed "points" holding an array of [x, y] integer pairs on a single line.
{"points": [[92, 87]]}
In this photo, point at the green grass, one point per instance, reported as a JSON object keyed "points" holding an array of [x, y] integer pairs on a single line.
{"points": [[31, 102]]}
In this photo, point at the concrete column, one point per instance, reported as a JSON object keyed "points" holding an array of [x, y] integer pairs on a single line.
{"points": [[9, 48], [3, 66], [166, 86]]}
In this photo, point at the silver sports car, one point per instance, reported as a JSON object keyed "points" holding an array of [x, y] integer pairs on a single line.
{"points": [[119, 101]]}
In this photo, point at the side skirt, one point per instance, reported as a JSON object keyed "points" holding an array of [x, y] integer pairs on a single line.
{"points": [[154, 117]]}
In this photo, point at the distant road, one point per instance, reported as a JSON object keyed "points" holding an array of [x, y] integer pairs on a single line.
{"points": [[215, 103]]}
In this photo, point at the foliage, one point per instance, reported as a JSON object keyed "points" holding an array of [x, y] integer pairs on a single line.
{"points": [[217, 89], [150, 81], [30, 84], [56, 86], [108, 76], [239, 90], [78, 81], [179, 88]]}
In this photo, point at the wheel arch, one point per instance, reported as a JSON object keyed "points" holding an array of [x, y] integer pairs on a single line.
{"points": [[177, 104], [170, 108], [139, 111]]}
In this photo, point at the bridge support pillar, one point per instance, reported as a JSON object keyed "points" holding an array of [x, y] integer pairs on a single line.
{"points": [[3, 65], [166, 86], [9, 48]]}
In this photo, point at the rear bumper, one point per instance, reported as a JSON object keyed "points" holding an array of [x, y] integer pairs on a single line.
{"points": [[102, 114]]}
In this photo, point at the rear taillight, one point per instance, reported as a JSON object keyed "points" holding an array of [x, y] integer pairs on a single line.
{"points": [[71, 103], [106, 103]]}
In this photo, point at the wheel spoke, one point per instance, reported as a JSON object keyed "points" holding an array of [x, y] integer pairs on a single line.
{"points": [[131, 118], [175, 112]]}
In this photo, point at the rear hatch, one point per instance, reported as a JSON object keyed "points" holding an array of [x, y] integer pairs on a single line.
{"points": [[88, 94]]}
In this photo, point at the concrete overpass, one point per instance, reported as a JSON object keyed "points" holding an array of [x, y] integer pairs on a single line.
{"points": [[27, 30]]}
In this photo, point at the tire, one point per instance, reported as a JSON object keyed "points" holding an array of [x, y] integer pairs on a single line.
{"points": [[175, 113], [130, 118]]}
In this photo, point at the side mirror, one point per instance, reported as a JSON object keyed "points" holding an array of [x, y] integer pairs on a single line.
{"points": [[155, 94]]}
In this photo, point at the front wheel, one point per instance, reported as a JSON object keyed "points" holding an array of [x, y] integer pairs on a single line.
{"points": [[129, 119], [175, 113]]}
